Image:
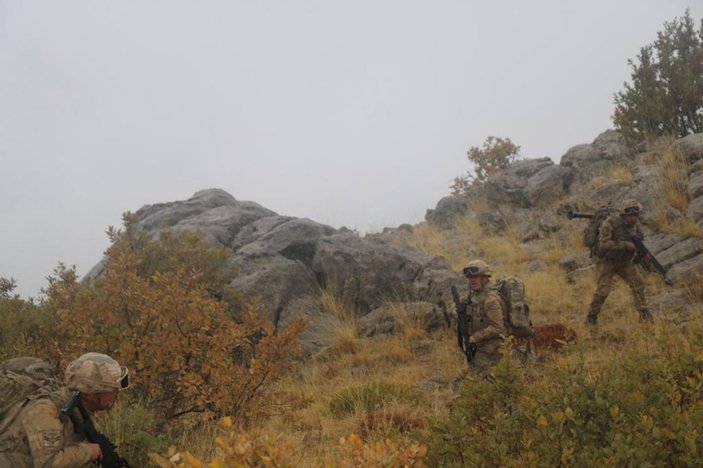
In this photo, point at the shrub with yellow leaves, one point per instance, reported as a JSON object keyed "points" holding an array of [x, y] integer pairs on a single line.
{"points": [[236, 449], [162, 307], [386, 453]]}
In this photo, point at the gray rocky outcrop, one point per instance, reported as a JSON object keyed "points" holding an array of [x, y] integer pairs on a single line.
{"points": [[285, 263], [448, 209], [691, 146], [592, 159], [508, 186]]}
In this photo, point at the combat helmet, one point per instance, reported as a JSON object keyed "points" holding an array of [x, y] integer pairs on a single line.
{"points": [[630, 206], [95, 373], [476, 268]]}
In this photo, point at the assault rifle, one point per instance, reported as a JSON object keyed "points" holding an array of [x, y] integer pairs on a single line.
{"points": [[84, 425], [463, 329], [643, 253]]}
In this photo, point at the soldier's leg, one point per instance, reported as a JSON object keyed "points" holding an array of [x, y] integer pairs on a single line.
{"points": [[480, 365], [604, 283], [483, 363], [634, 279]]}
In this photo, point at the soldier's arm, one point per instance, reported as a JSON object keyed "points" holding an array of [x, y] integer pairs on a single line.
{"points": [[638, 231], [494, 315], [606, 243], [44, 430]]}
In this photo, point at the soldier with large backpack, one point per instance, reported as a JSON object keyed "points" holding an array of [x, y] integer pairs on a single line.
{"points": [[40, 424], [491, 312], [615, 251]]}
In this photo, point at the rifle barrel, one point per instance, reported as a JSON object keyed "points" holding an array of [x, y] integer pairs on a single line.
{"points": [[571, 214]]}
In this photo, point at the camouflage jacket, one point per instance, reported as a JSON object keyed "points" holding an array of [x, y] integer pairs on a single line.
{"points": [[487, 312], [41, 437], [613, 234]]}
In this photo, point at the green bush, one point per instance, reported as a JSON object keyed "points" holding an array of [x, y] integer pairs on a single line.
{"points": [[25, 326], [130, 427], [643, 409], [665, 96], [371, 397], [495, 154]]}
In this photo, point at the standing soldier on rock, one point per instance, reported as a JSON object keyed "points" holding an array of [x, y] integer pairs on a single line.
{"points": [[615, 255]]}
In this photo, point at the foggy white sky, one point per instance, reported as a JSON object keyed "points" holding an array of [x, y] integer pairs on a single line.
{"points": [[355, 113]]}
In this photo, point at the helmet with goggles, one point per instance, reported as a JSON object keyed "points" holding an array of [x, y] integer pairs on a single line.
{"points": [[477, 268], [96, 373], [630, 207]]}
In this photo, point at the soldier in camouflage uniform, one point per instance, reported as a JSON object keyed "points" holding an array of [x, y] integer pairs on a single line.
{"points": [[40, 436], [615, 253], [486, 310]]}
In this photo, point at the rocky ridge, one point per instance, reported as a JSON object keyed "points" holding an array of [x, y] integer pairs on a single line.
{"points": [[286, 263]]}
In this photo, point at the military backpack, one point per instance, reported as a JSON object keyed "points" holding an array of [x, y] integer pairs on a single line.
{"points": [[517, 311], [21, 379], [590, 233]]}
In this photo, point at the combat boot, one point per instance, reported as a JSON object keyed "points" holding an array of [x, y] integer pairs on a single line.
{"points": [[646, 316], [592, 319]]}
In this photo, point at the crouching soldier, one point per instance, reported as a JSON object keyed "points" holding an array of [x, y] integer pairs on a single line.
{"points": [[36, 434]]}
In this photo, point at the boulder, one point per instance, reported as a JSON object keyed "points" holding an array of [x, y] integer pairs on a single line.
{"points": [[592, 159], [446, 212], [393, 317], [540, 227], [574, 262], [687, 272], [680, 251], [648, 187], [695, 181], [612, 146], [321, 327], [507, 186], [492, 222], [691, 146], [548, 184], [213, 212], [580, 155], [695, 209]]}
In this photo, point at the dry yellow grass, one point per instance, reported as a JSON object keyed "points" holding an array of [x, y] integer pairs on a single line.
{"points": [[428, 363], [674, 165]]}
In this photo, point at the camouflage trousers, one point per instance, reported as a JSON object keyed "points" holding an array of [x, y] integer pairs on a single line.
{"points": [[480, 365], [605, 272], [15, 460]]}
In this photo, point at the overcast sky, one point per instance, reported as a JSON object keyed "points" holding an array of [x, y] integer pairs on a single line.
{"points": [[351, 113]]}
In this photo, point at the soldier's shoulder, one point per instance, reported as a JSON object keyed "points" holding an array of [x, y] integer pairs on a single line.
{"points": [[48, 400], [494, 295], [613, 219]]}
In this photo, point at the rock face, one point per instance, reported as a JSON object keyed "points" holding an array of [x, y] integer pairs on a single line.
{"points": [[448, 209], [590, 159], [525, 193], [286, 263]]}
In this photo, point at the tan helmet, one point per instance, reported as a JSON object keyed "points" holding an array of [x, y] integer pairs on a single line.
{"points": [[477, 268], [95, 373], [630, 206]]}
